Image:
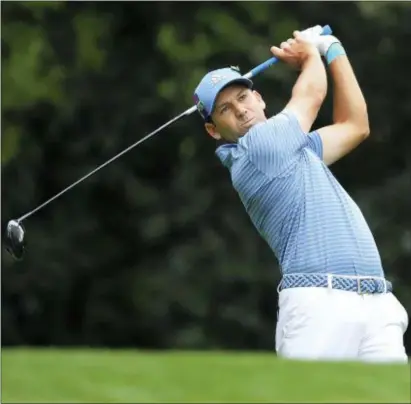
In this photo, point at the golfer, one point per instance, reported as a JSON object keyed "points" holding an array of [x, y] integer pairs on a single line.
{"points": [[334, 300]]}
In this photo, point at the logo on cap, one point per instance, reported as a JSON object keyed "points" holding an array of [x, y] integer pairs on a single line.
{"points": [[216, 78]]}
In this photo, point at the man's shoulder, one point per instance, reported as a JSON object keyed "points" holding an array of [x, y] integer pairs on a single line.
{"points": [[264, 138], [269, 135], [279, 123]]}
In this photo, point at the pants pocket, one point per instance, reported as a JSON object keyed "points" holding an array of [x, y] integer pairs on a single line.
{"points": [[294, 315]]}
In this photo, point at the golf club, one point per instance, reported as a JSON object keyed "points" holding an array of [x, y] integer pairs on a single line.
{"points": [[15, 235]]}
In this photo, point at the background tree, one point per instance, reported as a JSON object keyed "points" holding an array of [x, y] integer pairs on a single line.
{"points": [[156, 250]]}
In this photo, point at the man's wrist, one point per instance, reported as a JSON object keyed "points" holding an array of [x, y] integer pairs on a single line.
{"points": [[334, 51], [314, 54], [323, 43]]}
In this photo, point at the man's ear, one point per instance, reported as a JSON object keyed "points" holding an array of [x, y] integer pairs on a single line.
{"points": [[212, 130], [259, 98]]}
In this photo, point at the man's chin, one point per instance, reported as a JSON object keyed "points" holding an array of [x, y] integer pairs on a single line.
{"points": [[248, 125]]}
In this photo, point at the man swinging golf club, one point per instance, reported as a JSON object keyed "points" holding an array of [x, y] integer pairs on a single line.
{"points": [[334, 300]]}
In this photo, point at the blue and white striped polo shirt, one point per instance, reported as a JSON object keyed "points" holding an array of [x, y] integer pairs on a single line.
{"points": [[307, 218]]}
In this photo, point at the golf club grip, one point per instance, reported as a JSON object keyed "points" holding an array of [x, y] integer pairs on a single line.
{"points": [[260, 68]]}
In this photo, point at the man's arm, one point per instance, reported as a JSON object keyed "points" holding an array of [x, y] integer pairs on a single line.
{"points": [[350, 116], [310, 89]]}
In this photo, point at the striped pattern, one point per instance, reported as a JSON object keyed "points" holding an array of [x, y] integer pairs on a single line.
{"points": [[307, 218]]}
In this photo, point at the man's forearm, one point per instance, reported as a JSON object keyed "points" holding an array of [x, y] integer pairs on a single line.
{"points": [[348, 100], [309, 92], [350, 126], [312, 81]]}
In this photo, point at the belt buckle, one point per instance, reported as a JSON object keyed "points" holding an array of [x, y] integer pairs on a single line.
{"points": [[359, 286]]}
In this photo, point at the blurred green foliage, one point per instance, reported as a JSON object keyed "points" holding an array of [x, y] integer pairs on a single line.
{"points": [[156, 250]]}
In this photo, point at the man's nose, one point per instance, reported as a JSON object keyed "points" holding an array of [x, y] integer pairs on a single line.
{"points": [[240, 111]]}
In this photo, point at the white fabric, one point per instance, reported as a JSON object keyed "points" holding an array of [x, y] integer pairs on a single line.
{"points": [[321, 42], [331, 324]]}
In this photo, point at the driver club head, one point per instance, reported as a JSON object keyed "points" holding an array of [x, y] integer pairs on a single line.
{"points": [[15, 239]]}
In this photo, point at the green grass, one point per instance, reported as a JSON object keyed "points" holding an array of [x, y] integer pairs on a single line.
{"points": [[136, 376]]}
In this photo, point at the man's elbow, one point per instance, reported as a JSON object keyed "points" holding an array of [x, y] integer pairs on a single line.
{"points": [[366, 132], [359, 125], [364, 126]]}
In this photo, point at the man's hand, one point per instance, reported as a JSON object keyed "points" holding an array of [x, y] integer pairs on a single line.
{"points": [[321, 42], [296, 51]]}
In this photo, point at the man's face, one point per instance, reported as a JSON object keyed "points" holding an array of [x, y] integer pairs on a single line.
{"points": [[237, 109]]}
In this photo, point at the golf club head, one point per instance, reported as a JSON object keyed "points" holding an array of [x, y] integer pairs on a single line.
{"points": [[15, 242]]}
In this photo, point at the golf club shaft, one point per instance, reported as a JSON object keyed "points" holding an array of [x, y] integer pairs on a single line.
{"points": [[257, 70], [103, 165], [326, 30]]}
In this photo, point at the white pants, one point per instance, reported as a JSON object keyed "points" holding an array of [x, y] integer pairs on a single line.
{"points": [[331, 324]]}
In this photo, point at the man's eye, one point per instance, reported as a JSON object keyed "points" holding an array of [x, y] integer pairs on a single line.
{"points": [[242, 97], [223, 109]]}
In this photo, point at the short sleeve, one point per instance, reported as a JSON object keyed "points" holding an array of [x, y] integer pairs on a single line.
{"points": [[274, 144], [315, 143]]}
